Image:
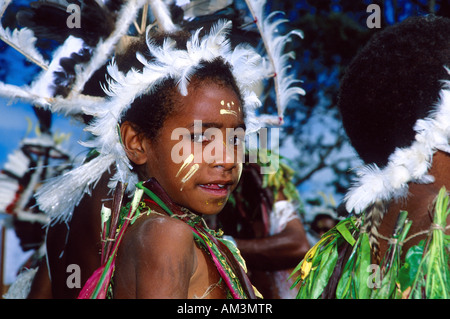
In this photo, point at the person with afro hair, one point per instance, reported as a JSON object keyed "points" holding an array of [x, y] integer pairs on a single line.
{"points": [[394, 101]]}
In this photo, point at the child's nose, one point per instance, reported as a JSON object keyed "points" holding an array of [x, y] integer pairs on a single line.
{"points": [[225, 158]]}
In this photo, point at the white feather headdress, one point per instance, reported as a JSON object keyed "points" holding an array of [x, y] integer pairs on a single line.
{"points": [[275, 43], [59, 196], [409, 164]]}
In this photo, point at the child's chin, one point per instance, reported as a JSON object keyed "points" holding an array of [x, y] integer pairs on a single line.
{"points": [[211, 209]]}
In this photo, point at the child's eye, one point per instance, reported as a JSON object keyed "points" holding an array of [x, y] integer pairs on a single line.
{"points": [[199, 138], [235, 140]]}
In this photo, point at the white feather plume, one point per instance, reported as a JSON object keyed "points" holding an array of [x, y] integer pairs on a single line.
{"points": [[72, 106], [409, 164], [8, 191], [23, 40], [162, 15], [285, 85], [104, 49], [14, 92], [60, 195], [17, 164], [42, 85]]}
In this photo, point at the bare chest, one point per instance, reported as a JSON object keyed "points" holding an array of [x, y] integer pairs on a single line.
{"points": [[206, 282]]}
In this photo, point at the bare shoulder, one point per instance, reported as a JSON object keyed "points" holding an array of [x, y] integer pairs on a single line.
{"points": [[160, 251], [157, 232]]}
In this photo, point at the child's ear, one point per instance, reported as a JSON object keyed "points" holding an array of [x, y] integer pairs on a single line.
{"points": [[133, 144]]}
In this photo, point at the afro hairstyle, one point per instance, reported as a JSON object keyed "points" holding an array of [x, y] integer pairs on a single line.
{"points": [[391, 83]]}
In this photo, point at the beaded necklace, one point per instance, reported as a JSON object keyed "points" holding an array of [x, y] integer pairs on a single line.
{"points": [[224, 254]]}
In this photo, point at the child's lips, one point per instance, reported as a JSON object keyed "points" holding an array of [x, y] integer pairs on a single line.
{"points": [[217, 189]]}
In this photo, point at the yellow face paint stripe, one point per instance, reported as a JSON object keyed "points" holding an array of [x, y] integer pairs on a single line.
{"points": [[189, 174], [223, 111], [186, 162]]}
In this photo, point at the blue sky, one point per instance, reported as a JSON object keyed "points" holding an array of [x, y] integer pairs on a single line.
{"points": [[14, 126], [13, 114]]}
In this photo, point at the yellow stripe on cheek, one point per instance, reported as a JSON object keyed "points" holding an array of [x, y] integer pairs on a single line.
{"points": [[186, 162], [194, 168]]}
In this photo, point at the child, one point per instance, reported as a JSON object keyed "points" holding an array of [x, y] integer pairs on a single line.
{"points": [[159, 256], [178, 123]]}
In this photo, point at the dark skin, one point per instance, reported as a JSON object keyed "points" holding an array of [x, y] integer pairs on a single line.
{"points": [[177, 271], [285, 246], [41, 287], [180, 270], [276, 252], [419, 204], [271, 258]]}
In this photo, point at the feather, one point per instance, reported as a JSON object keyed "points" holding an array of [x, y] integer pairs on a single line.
{"points": [[23, 40], [243, 56], [44, 84], [122, 89], [73, 106], [405, 165], [22, 285], [14, 92], [113, 5], [3, 5], [162, 16], [59, 195], [274, 44], [8, 192], [17, 164], [105, 48], [48, 19]]}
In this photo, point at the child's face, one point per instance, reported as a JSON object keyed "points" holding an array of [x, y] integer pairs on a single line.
{"points": [[191, 158]]}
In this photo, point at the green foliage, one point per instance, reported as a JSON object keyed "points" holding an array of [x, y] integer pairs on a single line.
{"points": [[391, 264], [432, 278], [354, 278], [316, 268], [423, 274]]}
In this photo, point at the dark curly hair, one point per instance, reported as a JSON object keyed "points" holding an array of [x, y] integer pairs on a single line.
{"points": [[392, 82], [149, 111]]}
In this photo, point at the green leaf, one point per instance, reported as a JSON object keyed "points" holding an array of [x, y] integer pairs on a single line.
{"points": [[326, 268], [343, 230], [364, 258], [343, 288]]}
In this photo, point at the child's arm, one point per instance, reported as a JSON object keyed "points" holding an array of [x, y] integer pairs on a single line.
{"points": [[160, 252]]}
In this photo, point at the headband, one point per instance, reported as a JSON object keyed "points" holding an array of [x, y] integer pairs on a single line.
{"points": [[409, 164]]}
